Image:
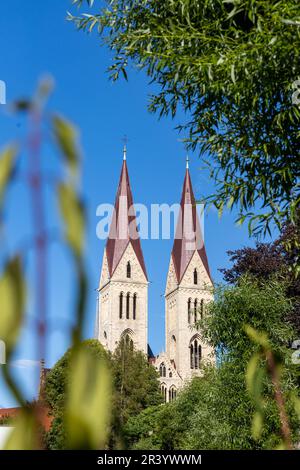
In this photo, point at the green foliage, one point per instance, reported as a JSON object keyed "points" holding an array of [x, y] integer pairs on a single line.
{"points": [[142, 431], [230, 65], [255, 374], [77, 392], [58, 379], [56, 437], [262, 306], [87, 410], [211, 412], [216, 410], [134, 388], [266, 260], [135, 382], [5, 420]]}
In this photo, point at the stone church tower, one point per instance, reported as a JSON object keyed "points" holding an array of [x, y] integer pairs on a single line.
{"points": [[122, 306], [188, 289]]}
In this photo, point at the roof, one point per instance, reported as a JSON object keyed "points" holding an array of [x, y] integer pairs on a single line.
{"points": [[188, 236], [150, 352], [42, 414], [123, 229]]}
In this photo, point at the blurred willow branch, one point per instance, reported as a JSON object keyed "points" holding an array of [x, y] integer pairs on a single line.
{"points": [[254, 378], [86, 430]]}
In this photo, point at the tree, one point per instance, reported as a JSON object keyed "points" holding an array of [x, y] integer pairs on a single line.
{"points": [[136, 386], [57, 383], [165, 427], [232, 66], [269, 259], [216, 410], [261, 308], [58, 378]]}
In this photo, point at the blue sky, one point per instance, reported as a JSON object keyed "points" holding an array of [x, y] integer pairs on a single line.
{"points": [[35, 39]]}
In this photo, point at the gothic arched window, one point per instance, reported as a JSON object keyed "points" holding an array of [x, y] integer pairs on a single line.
{"points": [[195, 353], [189, 310], [195, 276], [134, 306], [163, 390], [162, 370], [172, 393], [202, 308], [127, 305], [128, 270], [126, 339], [173, 347], [195, 309], [121, 305], [128, 342]]}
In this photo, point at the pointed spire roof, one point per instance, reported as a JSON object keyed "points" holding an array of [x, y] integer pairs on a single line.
{"points": [[188, 236], [123, 229]]}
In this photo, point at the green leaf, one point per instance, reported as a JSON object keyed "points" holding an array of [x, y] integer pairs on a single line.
{"points": [[66, 136], [44, 89], [7, 166], [12, 295], [257, 425], [73, 215], [257, 337], [254, 381], [251, 372], [296, 401], [25, 433], [23, 105], [232, 73], [88, 402]]}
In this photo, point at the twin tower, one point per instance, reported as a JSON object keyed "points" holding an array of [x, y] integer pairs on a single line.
{"points": [[122, 305]]}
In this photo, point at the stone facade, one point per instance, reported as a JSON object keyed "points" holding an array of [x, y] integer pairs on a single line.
{"points": [[122, 305], [184, 303]]}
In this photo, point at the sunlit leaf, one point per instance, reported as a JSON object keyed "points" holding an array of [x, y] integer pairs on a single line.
{"points": [[257, 337], [7, 166], [73, 215], [12, 304], [88, 403], [45, 86], [251, 371], [66, 136], [25, 433], [257, 425]]}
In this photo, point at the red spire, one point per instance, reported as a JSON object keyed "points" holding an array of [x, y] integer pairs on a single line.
{"points": [[123, 229], [188, 236]]}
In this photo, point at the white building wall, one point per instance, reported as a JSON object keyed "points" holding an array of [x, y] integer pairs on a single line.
{"points": [[177, 324], [111, 326], [4, 434]]}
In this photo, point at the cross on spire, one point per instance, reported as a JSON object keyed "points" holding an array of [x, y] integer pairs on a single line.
{"points": [[123, 228], [187, 162], [188, 238], [125, 140]]}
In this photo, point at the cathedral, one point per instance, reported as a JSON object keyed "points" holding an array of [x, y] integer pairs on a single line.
{"points": [[122, 304]]}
